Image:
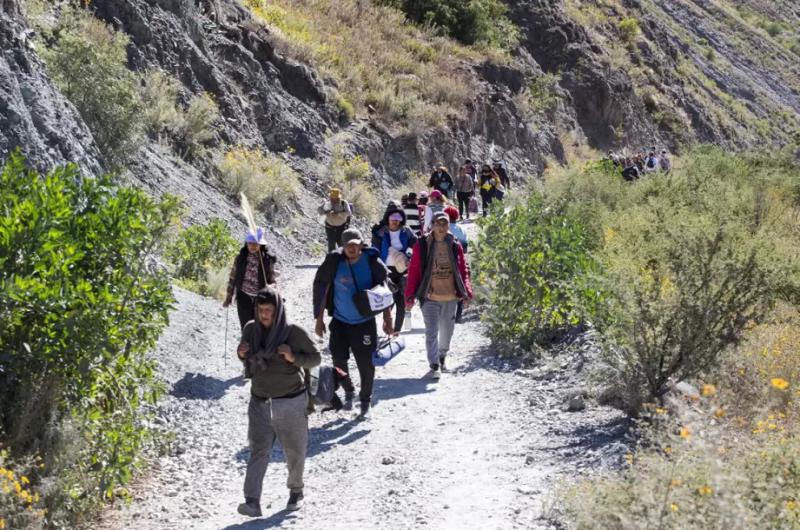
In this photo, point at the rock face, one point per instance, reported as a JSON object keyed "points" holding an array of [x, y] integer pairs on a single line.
{"points": [[697, 71], [34, 116], [603, 99]]}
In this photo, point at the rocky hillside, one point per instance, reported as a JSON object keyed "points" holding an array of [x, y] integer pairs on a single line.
{"points": [[719, 71], [608, 74]]}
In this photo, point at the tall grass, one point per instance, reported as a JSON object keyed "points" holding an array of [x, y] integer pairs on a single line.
{"points": [[407, 74]]}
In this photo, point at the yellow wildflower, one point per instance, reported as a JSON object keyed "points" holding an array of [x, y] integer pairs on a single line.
{"points": [[719, 413], [675, 483], [705, 490], [2, 524], [686, 433], [791, 505], [780, 383], [661, 411], [668, 450], [24, 480], [673, 507], [709, 390]]}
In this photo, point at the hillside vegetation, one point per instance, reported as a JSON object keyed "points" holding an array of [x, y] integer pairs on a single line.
{"points": [[408, 74], [689, 276]]}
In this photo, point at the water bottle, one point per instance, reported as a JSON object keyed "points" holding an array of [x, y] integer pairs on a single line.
{"points": [[388, 350]]}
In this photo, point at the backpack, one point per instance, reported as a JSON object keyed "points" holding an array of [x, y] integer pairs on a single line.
{"points": [[651, 162], [322, 386]]}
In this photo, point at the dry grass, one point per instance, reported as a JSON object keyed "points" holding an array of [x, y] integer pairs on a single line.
{"points": [[407, 74]]}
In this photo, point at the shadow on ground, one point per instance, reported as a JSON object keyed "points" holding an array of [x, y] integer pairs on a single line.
{"points": [[276, 520], [320, 439], [388, 389], [199, 386]]}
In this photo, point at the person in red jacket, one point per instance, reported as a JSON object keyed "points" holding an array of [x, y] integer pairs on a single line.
{"points": [[439, 278]]}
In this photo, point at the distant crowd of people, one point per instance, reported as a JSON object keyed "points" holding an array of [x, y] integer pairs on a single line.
{"points": [[642, 163]]}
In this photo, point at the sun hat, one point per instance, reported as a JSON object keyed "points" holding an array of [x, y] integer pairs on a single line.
{"points": [[257, 237], [436, 194]]}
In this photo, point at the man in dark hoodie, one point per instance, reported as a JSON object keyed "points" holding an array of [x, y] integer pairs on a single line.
{"points": [[276, 354], [353, 267]]}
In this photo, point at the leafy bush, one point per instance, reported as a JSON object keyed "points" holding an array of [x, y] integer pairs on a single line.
{"points": [[200, 251], [267, 181], [471, 21], [534, 265], [88, 63], [79, 308], [629, 29], [691, 258]]}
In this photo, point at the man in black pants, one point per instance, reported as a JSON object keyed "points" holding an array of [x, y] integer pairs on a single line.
{"points": [[345, 271]]}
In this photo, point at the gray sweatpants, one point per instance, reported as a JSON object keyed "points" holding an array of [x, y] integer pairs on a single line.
{"points": [[440, 319], [286, 420]]}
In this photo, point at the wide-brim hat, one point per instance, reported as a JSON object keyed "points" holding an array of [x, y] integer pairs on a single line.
{"points": [[257, 237]]}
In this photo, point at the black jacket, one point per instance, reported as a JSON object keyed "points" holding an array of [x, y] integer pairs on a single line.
{"points": [[442, 181], [323, 280], [240, 263]]}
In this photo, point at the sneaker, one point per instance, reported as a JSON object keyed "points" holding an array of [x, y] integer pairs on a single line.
{"points": [[295, 501], [364, 412], [250, 508], [336, 404], [435, 373], [441, 363], [348, 400]]}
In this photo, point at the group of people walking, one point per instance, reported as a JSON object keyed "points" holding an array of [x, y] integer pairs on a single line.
{"points": [[416, 252], [642, 163]]}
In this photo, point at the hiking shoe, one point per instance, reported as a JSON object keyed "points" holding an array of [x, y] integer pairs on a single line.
{"points": [[441, 363], [364, 412], [336, 404], [435, 373], [295, 501], [250, 508]]}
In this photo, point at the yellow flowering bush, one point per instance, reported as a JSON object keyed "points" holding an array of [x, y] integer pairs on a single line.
{"points": [[728, 459], [20, 502]]}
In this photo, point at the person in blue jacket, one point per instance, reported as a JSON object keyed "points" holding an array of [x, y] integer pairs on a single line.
{"points": [[397, 243]]}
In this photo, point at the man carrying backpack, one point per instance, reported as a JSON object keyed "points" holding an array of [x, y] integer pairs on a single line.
{"points": [[346, 271], [438, 277], [337, 214], [276, 353]]}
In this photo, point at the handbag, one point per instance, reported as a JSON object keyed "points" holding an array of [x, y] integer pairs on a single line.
{"points": [[473, 205], [371, 302]]}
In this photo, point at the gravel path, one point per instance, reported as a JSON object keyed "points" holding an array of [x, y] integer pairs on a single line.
{"points": [[482, 448]]}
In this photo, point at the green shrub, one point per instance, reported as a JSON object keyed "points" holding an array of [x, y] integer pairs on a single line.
{"points": [[267, 181], [201, 251], [88, 63], [347, 110], [193, 129], [688, 259], [534, 265], [79, 309], [629, 29], [471, 21], [159, 101]]}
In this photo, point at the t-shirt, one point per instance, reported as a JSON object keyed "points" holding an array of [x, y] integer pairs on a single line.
{"points": [[412, 218], [443, 283], [394, 240], [343, 289]]}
